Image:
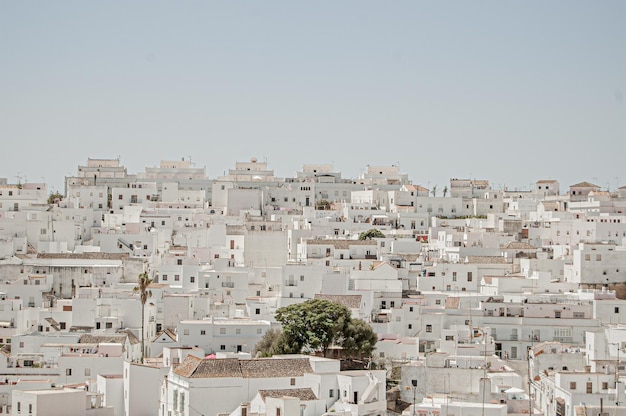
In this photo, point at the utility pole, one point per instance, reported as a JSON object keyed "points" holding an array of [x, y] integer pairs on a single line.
{"points": [[530, 400], [617, 345]]}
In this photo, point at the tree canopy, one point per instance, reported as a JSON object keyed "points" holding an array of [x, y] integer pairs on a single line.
{"points": [[54, 196], [316, 325], [372, 233]]}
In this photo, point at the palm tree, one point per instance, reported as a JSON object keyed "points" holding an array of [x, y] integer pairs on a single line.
{"points": [[142, 287], [445, 191]]}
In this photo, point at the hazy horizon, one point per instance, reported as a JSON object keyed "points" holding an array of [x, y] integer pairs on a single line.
{"points": [[512, 92]]}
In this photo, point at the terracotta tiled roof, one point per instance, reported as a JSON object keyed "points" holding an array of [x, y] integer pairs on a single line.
{"points": [[83, 256], [54, 324], [119, 338], [194, 367], [131, 337], [167, 332], [349, 301], [302, 394], [517, 245], [275, 367], [342, 244], [584, 185], [486, 259], [550, 206]]}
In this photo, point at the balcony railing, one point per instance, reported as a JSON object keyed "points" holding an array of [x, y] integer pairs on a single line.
{"points": [[228, 284]]}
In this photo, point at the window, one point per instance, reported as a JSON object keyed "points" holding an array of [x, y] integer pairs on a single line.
{"points": [[259, 331], [222, 347], [562, 333], [202, 332], [598, 257], [222, 331], [62, 324], [87, 372], [587, 257], [192, 279], [454, 276], [68, 371], [302, 278], [429, 328], [185, 331], [410, 326], [589, 387], [410, 308], [437, 301], [469, 276], [331, 393], [257, 311], [238, 331], [177, 277], [109, 325], [179, 262], [164, 277], [292, 381], [616, 310], [605, 385]]}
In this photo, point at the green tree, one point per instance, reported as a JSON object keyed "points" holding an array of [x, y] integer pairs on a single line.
{"points": [[372, 233], [316, 325], [275, 342], [359, 339], [53, 196], [142, 288], [313, 325]]}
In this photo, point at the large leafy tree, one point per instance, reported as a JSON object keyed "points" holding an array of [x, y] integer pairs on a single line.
{"points": [[372, 233], [275, 342], [53, 196], [142, 288], [316, 325], [359, 339]]}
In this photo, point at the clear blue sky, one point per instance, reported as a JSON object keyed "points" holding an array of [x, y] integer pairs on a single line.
{"points": [[510, 91]]}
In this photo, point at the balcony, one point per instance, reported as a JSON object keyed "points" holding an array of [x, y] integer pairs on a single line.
{"points": [[228, 284]]}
